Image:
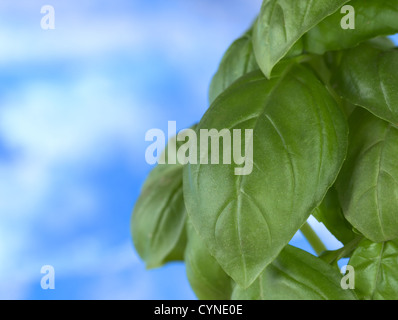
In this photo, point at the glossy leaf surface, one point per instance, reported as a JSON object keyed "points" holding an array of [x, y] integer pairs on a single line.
{"points": [[281, 23], [206, 277], [367, 184], [373, 18], [376, 270], [296, 275], [367, 76], [299, 143], [237, 61], [159, 216]]}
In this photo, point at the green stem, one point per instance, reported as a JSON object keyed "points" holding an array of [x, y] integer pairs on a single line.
{"points": [[313, 238], [346, 251]]}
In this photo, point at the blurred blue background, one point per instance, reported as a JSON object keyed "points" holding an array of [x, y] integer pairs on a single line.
{"points": [[75, 103]]}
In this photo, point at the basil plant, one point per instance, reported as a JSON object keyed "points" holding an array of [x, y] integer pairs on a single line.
{"points": [[312, 87]]}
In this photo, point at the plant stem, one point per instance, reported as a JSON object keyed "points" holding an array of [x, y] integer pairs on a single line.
{"points": [[346, 251], [313, 238]]}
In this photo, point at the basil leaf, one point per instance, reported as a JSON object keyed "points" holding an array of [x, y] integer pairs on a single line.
{"points": [[281, 23], [373, 87], [299, 143], [296, 275], [331, 215], [321, 67], [367, 184], [372, 18], [237, 61], [348, 107], [376, 270], [158, 221], [206, 277]]}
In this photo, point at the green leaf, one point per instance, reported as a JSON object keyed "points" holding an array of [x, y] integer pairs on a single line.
{"points": [[331, 215], [206, 277], [299, 143], [296, 275], [158, 220], [367, 184], [321, 67], [368, 76], [281, 23], [237, 61], [373, 18], [376, 270]]}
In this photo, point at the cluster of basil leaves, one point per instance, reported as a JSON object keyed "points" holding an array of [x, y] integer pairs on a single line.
{"points": [[323, 106]]}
